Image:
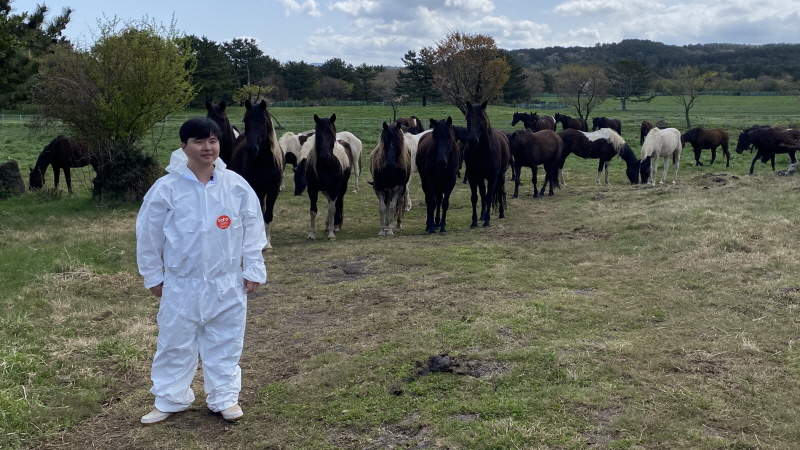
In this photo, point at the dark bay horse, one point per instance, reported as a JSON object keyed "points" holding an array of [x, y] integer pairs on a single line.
{"points": [[569, 122], [544, 122], [410, 125], [531, 149], [327, 170], [768, 142], [487, 156], [438, 160], [605, 122], [227, 140], [644, 129], [390, 166], [602, 145], [62, 153], [712, 138], [258, 158]]}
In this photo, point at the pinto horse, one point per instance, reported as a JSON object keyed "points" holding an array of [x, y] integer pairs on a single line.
{"points": [[569, 122], [768, 142], [543, 122], [530, 149], [602, 145], [409, 125], [660, 143], [227, 140], [644, 129], [327, 170], [487, 156], [605, 122], [390, 166], [438, 159], [62, 153], [258, 158], [712, 138]]}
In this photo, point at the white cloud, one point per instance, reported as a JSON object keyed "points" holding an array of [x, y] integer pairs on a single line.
{"points": [[484, 6], [308, 7]]}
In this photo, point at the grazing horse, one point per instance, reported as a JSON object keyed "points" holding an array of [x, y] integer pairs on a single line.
{"points": [[390, 166], [487, 156], [327, 170], [531, 149], [605, 122], [227, 140], [701, 138], [602, 145], [569, 122], [258, 158], [660, 143], [62, 153], [644, 129], [768, 142], [437, 160]]}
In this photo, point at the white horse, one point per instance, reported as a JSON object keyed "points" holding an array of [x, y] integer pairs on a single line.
{"points": [[412, 141], [660, 144], [355, 149]]}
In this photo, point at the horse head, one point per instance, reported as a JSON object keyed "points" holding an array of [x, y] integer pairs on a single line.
{"points": [[595, 123], [477, 122], [444, 136], [515, 120], [744, 142], [325, 138], [392, 140], [257, 125], [644, 169], [632, 164], [217, 114], [36, 180]]}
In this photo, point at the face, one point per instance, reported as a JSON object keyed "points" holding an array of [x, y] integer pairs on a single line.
{"points": [[201, 152]]}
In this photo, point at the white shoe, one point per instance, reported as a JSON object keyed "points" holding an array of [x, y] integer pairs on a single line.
{"points": [[233, 413], [155, 416]]}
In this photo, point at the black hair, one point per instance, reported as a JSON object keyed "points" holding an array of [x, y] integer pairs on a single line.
{"points": [[198, 128]]}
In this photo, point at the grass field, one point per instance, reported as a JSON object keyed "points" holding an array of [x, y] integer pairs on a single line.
{"points": [[613, 317]]}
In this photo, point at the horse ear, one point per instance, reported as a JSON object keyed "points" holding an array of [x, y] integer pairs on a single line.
{"points": [[247, 104], [449, 121], [208, 105], [469, 104], [333, 117], [264, 104], [316, 118], [222, 105], [385, 125], [433, 123], [484, 104]]}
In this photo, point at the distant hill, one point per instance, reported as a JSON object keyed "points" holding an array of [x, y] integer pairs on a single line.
{"points": [[743, 61]]}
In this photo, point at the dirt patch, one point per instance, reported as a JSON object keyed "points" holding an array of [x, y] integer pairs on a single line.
{"points": [[343, 271]]}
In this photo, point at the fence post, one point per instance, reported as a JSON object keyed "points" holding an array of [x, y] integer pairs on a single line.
{"points": [[20, 119]]}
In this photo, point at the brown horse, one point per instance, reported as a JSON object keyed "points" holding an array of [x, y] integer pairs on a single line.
{"points": [[487, 156], [531, 149], [569, 122], [605, 122], [62, 153], [644, 129], [768, 142], [701, 138], [438, 159], [227, 140], [544, 122], [390, 166]]}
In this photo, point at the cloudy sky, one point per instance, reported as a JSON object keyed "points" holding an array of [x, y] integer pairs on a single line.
{"points": [[382, 31]]}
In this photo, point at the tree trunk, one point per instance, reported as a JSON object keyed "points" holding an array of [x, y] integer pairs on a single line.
{"points": [[688, 123]]}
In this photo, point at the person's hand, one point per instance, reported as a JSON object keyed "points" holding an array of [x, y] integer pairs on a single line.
{"points": [[250, 286], [156, 290]]}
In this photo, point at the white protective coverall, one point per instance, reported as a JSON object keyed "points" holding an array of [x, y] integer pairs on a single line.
{"points": [[202, 241]]}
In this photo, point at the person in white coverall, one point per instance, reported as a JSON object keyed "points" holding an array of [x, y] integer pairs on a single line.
{"points": [[199, 235]]}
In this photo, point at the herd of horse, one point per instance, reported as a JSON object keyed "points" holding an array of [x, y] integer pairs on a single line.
{"points": [[324, 160]]}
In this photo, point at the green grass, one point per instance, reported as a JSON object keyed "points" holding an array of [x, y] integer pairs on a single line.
{"points": [[611, 317]]}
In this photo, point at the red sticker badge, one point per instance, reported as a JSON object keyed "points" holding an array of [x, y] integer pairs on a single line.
{"points": [[223, 222]]}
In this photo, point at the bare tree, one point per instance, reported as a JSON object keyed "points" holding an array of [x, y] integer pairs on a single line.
{"points": [[686, 84], [468, 67], [583, 88]]}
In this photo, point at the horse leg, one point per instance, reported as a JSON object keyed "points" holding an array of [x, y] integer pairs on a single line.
{"points": [[605, 168], [516, 180], [676, 161], [398, 205], [68, 179], [269, 207], [697, 152], [338, 218], [500, 191], [56, 175], [391, 211], [312, 196], [356, 170], [486, 201], [445, 206], [753, 164], [550, 174], [430, 207], [382, 210], [666, 168], [713, 155], [473, 187], [330, 220], [599, 171], [437, 221], [407, 202], [535, 180], [727, 155]]}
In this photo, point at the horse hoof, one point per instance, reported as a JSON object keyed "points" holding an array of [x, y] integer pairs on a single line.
{"points": [[311, 238], [473, 226], [381, 233]]}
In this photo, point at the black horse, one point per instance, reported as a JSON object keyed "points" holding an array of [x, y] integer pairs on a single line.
{"points": [[644, 129], [533, 149], [487, 156], [438, 160], [327, 170], [602, 145], [712, 138], [768, 142], [570, 122], [605, 122], [227, 140], [62, 153], [258, 158]]}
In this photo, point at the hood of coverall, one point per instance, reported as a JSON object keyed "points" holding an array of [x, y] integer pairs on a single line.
{"points": [[178, 163]]}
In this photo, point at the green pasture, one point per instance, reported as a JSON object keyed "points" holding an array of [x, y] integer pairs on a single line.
{"points": [[612, 317]]}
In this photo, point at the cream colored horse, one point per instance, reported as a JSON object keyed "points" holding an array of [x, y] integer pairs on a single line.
{"points": [[660, 143]]}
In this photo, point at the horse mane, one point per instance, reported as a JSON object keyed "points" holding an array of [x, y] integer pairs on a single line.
{"points": [[615, 139], [307, 152], [274, 146], [378, 157]]}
